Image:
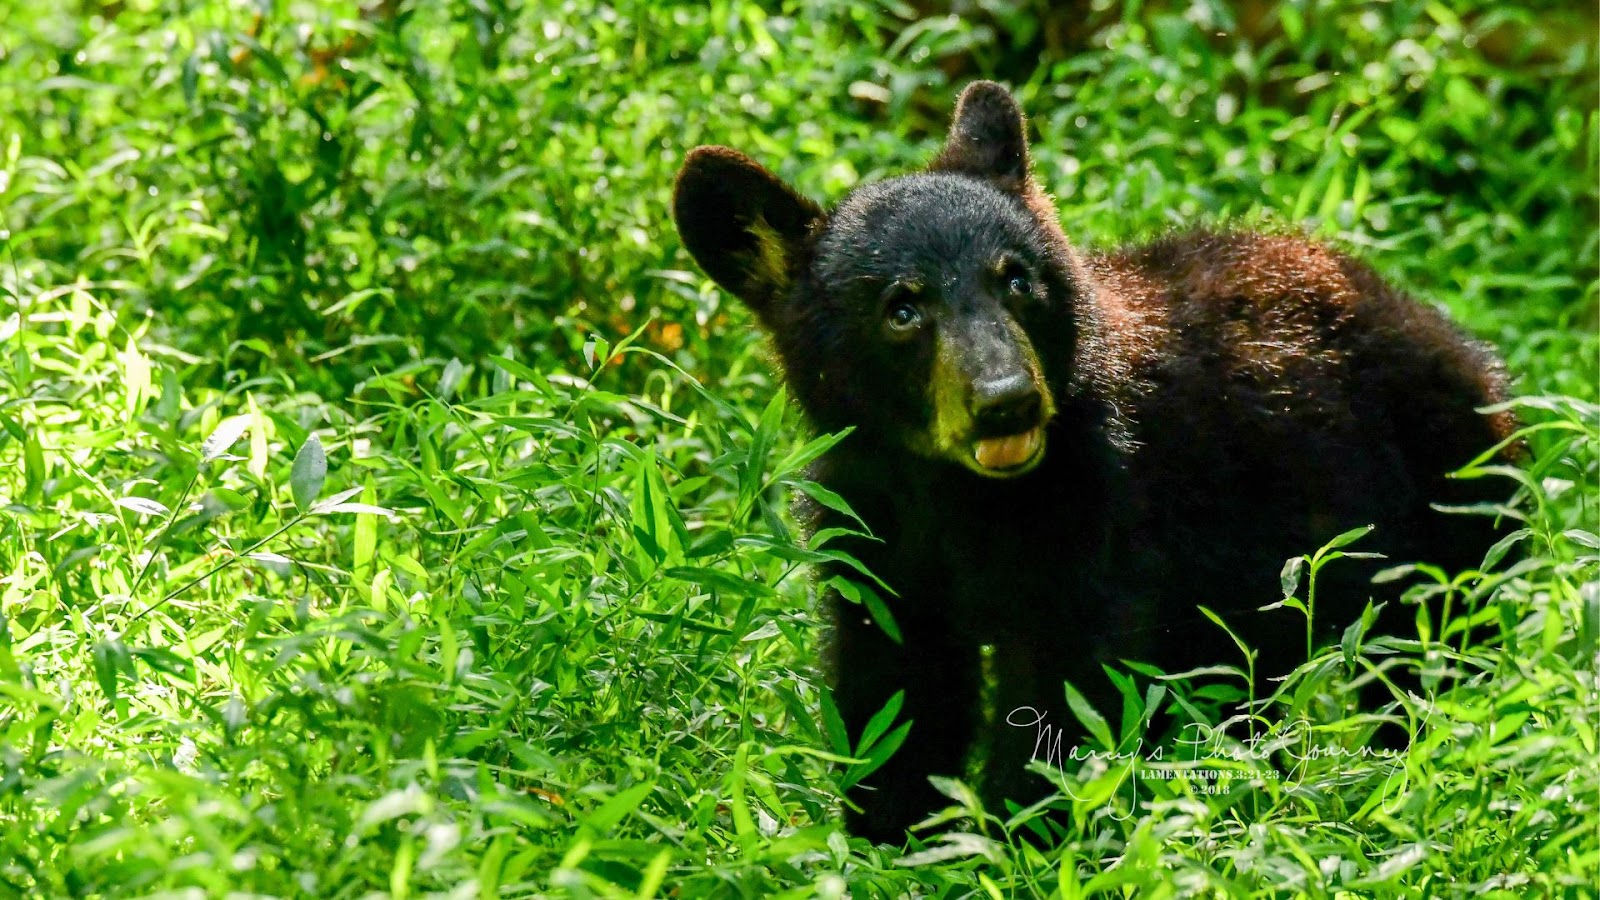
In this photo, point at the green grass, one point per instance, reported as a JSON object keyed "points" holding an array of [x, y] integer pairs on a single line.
{"points": [[542, 626]]}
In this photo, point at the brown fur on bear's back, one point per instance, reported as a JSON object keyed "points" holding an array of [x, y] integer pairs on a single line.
{"points": [[1283, 318], [1271, 391]]}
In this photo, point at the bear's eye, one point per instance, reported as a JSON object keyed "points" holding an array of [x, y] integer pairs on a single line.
{"points": [[1014, 275], [904, 315], [900, 310]]}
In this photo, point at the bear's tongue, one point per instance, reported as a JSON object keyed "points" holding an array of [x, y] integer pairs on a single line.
{"points": [[1006, 452]]}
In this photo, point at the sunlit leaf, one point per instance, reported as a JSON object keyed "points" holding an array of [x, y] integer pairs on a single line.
{"points": [[223, 437], [309, 470], [143, 506]]}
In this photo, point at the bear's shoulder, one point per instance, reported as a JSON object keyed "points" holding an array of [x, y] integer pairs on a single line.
{"points": [[1210, 274], [1245, 300]]}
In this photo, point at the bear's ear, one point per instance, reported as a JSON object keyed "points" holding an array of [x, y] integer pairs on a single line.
{"points": [[741, 223], [987, 138]]}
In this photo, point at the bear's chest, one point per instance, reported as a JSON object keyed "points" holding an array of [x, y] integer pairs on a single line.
{"points": [[1009, 560]]}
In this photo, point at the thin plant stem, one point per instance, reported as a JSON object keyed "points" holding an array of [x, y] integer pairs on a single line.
{"points": [[218, 567]]}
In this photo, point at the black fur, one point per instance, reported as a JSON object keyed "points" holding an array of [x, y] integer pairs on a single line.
{"points": [[1212, 404]]}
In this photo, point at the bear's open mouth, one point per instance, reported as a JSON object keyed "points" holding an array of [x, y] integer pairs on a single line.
{"points": [[1009, 453]]}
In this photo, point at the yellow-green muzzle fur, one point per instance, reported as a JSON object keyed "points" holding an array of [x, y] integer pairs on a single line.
{"points": [[961, 362]]}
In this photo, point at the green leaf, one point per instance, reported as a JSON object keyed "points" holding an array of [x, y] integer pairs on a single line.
{"points": [[1088, 716], [33, 465], [105, 668], [13, 428], [881, 752], [327, 502], [1289, 578], [1502, 547], [830, 500], [1289, 602], [710, 544], [1238, 642], [362, 508], [1343, 540], [223, 437], [1332, 196], [595, 351], [277, 563], [625, 801], [450, 379], [135, 377], [310, 468], [880, 721], [1153, 695], [879, 610], [1362, 190], [162, 660], [744, 824], [1582, 538], [1350, 642], [655, 520], [143, 505], [726, 582], [516, 369], [812, 449], [833, 723], [766, 434], [957, 845]]}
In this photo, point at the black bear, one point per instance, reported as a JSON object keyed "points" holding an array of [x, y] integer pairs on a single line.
{"points": [[1063, 453]]}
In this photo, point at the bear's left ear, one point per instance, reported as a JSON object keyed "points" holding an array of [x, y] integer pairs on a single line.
{"points": [[742, 224], [987, 138]]}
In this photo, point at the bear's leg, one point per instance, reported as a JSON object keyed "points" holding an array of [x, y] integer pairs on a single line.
{"points": [[1032, 720], [941, 677]]}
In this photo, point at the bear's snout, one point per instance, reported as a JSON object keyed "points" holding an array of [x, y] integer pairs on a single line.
{"points": [[1006, 406]]}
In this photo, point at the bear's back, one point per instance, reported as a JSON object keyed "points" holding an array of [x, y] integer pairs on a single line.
{"points": [[1270, 393], [1243, 345]]}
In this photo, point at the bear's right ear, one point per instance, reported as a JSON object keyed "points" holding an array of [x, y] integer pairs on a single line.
{"points": [[741, 223], [987, 138]]}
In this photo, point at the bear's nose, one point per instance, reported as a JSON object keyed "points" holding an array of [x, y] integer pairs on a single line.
{"points": [[1003, 406]]}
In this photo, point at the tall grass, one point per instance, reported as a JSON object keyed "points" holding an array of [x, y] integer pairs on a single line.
{"points": [[388, 510]]}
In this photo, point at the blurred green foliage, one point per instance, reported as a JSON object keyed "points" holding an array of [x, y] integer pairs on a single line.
{"points": [[448, 178], [541, 627]]}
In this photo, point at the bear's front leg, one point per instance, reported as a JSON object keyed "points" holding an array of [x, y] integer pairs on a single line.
{"points": [[1032, 720], [941, 677]]}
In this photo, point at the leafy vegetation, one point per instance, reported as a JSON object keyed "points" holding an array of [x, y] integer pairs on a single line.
{"points": [[388, 511]]}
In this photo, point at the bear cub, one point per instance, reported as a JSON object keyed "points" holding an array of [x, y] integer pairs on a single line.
{"points": [[1062, 454]]}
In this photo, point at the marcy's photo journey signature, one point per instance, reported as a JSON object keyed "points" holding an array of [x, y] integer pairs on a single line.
{"points": [[1214, 756]]}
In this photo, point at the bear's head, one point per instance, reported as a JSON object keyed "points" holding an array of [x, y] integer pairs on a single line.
{"points": [[933, 312]]}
